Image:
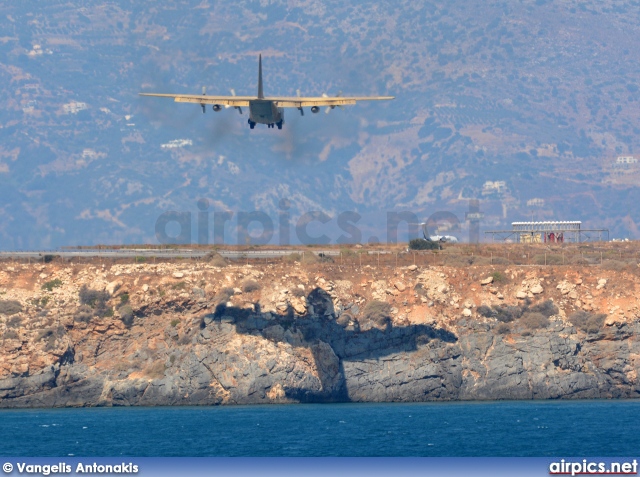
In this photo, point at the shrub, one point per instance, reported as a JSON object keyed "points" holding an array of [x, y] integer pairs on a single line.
{"points": [[175, 322], [40, 302], [250, 286], [51, 284], [498, 276], [10, 335], [299, 292], [126, 314], [420, 289], [215, 259], [140, 259], [547, 308], [179, 285], [10, 307], [503, 329], [224, 294], [84, 313], [534, 321], [506, 314], [587, 322], [422, 244], [549, 259], [14, 322], [378, 312], [344, 319], [48, 258], [155, 370], [486, 311], [96, 300], [124, 298], [50, 335], [292, 257]]}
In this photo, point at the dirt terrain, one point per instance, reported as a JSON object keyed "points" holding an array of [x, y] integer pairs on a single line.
{"points": [[218, 332]]}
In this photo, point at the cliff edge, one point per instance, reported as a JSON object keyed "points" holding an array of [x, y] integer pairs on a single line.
{"points": [[207, 333]]}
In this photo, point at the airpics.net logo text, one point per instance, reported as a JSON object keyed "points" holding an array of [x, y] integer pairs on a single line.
{"points": [[311, 228]]}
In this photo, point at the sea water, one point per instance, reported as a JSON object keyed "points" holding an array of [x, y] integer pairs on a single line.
{"points": [[511, 428]]}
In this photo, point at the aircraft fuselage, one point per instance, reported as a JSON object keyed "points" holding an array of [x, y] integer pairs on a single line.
{"points": [[264, 111]]}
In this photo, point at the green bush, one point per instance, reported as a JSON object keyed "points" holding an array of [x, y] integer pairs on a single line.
{"points": [[587, 322], [124, 298], [498, 276], [10, 307], [51, 284], [175, 322], [422, 244]]}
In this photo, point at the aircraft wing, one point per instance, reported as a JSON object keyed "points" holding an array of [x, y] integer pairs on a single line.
{"points": [[298, 102], [205, 99]]}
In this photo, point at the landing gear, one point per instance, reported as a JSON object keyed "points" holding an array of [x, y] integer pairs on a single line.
{"points": [[279, 124], [251, 123]]}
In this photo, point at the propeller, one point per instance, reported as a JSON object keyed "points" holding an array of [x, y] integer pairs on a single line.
{"points": [[233, 93], [329, 108], [204, 93], [300, 108]]}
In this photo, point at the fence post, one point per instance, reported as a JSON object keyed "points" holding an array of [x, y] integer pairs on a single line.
{"points": [[414, 258], [396, 259], [378, 259], [545, 258]]}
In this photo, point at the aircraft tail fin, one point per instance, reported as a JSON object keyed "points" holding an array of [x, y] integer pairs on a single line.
{"points": [[260, 92]]}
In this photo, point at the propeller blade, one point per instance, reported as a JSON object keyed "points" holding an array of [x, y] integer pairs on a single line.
{"points": [[298, 92], [204, 91], [233, 92]]}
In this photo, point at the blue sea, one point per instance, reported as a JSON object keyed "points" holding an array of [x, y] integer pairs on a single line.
{"points": [[522, 428]]}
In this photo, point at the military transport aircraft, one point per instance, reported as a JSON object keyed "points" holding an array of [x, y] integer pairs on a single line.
{"points": [[267, 110]]}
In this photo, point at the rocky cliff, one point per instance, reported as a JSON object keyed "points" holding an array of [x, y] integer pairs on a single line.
{"points": [[215, 333]]}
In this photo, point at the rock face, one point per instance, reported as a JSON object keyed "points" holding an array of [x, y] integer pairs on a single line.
{"points": [[184, 347]]}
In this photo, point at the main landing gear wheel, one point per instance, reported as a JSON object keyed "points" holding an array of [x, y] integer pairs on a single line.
{"points": [[279, 124], [251, 123]]}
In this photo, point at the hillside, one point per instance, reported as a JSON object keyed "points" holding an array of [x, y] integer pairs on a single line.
{"points": [[538, 94], [214, 333]]}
